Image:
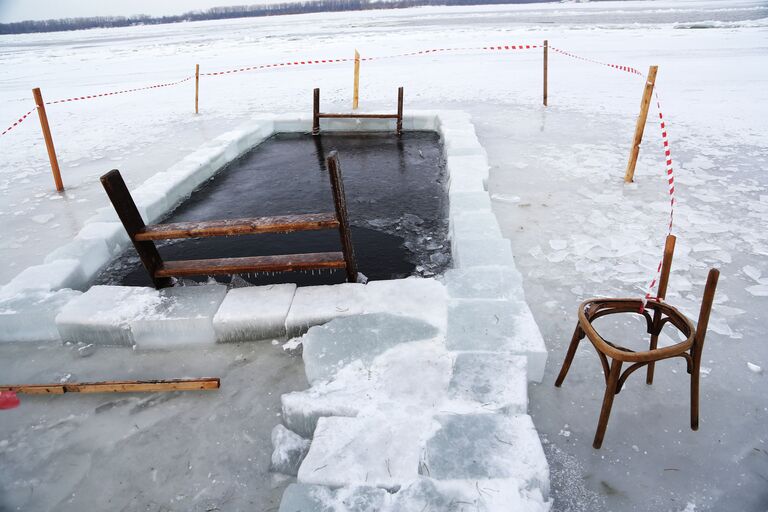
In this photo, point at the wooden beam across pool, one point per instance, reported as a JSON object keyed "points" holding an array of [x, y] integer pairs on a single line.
{"points": [[251, 264], [246, 226]]}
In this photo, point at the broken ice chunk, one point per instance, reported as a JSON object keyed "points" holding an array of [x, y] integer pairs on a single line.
{"points": [[113, 233], [329, 347], [30, 316], [377, 451], [315, 305], [487, 446], [496, 382], [183, 316], [253, 313], [289, 450], [102, 315]]}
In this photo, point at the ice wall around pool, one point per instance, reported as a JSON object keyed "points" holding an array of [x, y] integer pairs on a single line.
{"points": [[45, 303]]}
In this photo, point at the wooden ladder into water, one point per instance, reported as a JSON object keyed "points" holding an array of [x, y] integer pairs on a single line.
{"points": [[143, 237]]}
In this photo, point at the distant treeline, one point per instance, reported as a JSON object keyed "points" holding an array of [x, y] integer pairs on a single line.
{"points": [[240, 11]]}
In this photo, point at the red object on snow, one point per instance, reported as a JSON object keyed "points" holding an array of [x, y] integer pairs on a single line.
{"points": [[8, 400]]}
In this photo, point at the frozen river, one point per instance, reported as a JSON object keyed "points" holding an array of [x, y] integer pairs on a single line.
{"points": [[556, 184]]}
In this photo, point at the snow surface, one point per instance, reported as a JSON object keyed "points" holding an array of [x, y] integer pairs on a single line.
{"points": [[555, 177]]}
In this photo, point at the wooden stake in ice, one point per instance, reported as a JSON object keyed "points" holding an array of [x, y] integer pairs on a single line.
{"points": [[629, 175], [48, 139], [197, 86], [116, 386], [546, 59], [356, 93]]}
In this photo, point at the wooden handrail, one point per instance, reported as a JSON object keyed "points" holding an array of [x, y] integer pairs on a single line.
{"points": [[246, 226]]}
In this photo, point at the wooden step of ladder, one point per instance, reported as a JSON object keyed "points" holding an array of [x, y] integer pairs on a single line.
{"points": [[161, 272]]}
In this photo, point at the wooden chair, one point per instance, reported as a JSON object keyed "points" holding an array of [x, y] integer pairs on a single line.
{"points": [[690, 349]]}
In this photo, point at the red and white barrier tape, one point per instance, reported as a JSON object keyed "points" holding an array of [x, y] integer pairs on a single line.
{"points": [[351, 59], [17, 122], [115, 93], [618, 67], [278, 65], [669, 176]]}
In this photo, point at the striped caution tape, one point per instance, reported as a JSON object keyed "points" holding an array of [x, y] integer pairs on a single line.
{"points": [[310, 62], [277, 65], [17, 122], [669, 175]]}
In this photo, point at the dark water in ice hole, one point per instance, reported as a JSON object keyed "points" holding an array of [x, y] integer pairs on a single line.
{"points": [[396, 197]]}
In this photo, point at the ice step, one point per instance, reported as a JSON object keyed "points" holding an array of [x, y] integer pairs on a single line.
{"points": [[315, 305], [472, 495], [30, 316], [55, 275], [329, 347], [469, 252], [381, 451], [184, 316], [496, 282], [410, 376], [487, 446], [464, 202], [421, 495], [318, 498], [490, 382], [92, 254], [475, 225], [416, 297], [289, 449], [254, 313], [497, 326], [102, 315]]}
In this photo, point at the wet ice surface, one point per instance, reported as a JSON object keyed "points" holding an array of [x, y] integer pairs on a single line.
{"points": [[396, 198], [578, 232], [192, 451]]}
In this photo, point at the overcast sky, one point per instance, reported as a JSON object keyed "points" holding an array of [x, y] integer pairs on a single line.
{"points": [[18, 10]]}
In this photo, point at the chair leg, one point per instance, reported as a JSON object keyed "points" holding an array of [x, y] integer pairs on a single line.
{"points": [[652, 364], [695, 394], [605, 412], [578, 334]]}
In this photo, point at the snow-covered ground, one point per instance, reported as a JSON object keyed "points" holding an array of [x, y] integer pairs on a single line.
{"points": [[556, 184]]}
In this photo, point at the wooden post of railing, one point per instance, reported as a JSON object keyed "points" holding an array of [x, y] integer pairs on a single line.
{"points": [[399, 127], [316, 112], [340, 202], [546, 59], [48, 139], [356, 91], [629, 175], [197, 86]]}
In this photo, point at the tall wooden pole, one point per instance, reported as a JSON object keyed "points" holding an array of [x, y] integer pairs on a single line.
{"points": [[48, 139], [629, 175], [546, 59], [197, 86], [356, 93]]}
